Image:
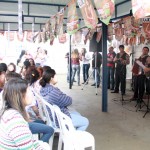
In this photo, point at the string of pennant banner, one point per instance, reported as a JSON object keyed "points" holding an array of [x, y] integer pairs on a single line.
{"points": [[54, 27]]}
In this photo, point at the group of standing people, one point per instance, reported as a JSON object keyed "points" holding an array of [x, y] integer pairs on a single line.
{"points": [[117, 72], [76, 57], [84, 57], [117, 69]]}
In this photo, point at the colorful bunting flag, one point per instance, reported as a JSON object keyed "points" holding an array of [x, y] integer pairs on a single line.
{"points": [[140, 8], [118, 30], [105, 9], [146, 27], [73, 21], [88, 13], [110, 32]]}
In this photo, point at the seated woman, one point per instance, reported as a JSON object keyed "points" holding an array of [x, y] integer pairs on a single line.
{"points": [[36, 124], [14, 129], [55, 96]]}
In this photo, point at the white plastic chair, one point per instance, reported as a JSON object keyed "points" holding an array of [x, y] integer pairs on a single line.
{"points": [[73, 139], [42, 105]]}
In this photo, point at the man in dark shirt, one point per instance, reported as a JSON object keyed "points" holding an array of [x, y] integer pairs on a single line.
{"points": [[96, 64], [121, 60]]}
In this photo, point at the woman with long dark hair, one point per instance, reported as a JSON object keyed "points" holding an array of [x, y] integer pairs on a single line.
{"points": [[14, 129], [55, 96]]}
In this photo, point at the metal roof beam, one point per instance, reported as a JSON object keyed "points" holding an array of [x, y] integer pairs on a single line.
{"points": [[22, 23], [122, 2], [34, 3], [25, 16]]}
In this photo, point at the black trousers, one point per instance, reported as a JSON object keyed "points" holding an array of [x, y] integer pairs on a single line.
{"points": [[120, 79], [139, 86]]}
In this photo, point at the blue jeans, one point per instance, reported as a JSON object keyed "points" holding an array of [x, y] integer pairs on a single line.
{"points": [[86, 71], [97, 80], [38, 126], [111, 79], [75, 68], [80, 123]]}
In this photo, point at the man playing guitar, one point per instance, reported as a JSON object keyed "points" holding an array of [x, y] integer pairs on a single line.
{"points": [[139, 76]]}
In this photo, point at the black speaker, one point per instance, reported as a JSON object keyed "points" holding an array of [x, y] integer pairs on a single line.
{"points": [[94, 46]]}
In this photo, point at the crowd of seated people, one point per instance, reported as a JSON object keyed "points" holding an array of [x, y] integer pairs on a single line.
{"points": [[19, 112]]}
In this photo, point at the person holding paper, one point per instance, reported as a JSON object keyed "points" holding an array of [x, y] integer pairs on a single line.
{"points": [[139, 79]]}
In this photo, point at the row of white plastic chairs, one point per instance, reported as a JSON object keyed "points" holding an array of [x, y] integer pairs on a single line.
{"points": [[69, 137]]}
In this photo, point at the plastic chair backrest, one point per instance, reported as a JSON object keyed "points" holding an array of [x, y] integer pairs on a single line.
{"points": [[44, 104]]}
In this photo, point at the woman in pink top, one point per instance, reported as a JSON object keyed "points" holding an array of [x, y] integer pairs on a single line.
{"points": [[75, 60]]}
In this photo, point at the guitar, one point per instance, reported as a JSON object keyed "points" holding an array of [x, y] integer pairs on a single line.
{"points": [[136, 68]]}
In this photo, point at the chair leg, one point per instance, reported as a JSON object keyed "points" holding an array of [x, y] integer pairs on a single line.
{"points": [[60, 141], [51, 142]]}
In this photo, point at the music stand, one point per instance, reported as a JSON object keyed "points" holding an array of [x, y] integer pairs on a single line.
{"points": [[147, 106], [96, 71]]}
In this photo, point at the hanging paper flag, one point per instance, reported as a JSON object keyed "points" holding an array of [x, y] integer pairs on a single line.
{"points": [[146, 27], [39, 38], [73, 21], [85, 31], [89, 35], [44, 37], [48, 29], [135, 23], [20, 38], [118, 30], [105, 9], [110, 32], [77, 37], [59, 22], [99, 33], [53, 25], [62, 35], [10, 35], [52, 37], [140, 8], [47, 25], [127, 26], [88, 13], [28, 36], [62, 38]]}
